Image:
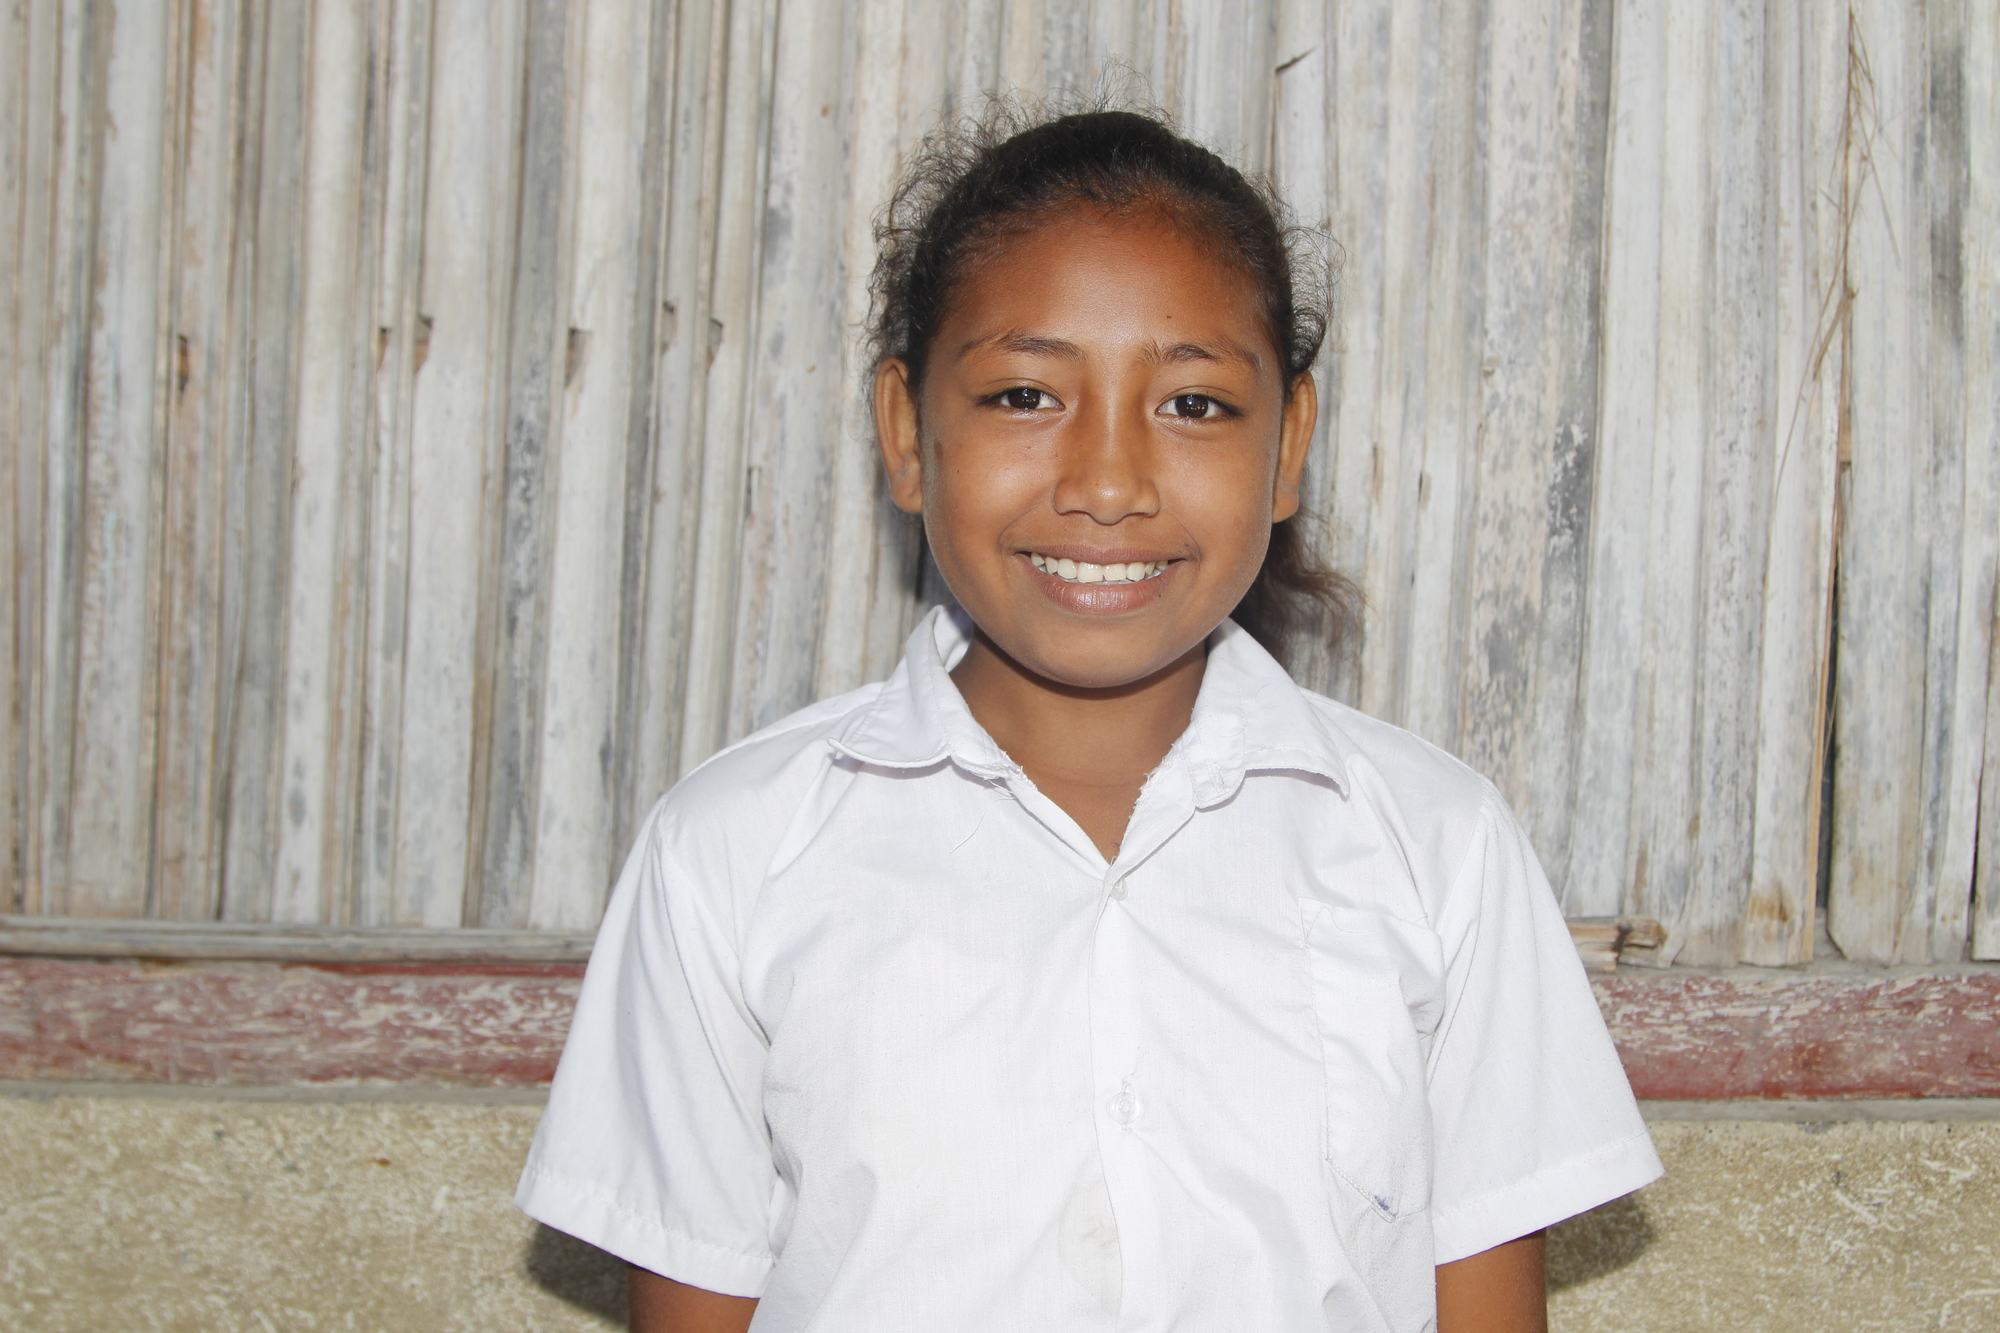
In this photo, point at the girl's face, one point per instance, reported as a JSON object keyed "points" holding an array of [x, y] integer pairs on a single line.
{"points": [[1105, 443]]}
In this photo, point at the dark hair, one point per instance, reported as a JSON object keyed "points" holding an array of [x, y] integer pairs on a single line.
{"points": [[973, 184]]}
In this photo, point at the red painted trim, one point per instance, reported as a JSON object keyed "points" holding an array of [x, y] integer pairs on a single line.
{"points": [[1805, 1034], [454, 968], [1707, 1036], [260, 1023]]}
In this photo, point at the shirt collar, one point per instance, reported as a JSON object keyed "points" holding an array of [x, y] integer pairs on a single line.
{"points": [[920, 719], [1249, 716]]}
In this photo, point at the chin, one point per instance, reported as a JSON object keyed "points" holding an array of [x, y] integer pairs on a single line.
{"points": [[1077, 667]]}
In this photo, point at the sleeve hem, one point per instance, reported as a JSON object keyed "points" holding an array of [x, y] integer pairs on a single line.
{"points": [[1545, 1198], [577, 1209]]}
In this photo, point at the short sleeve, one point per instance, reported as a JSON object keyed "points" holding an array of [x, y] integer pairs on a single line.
{"points": [[1533, 1119], [653, 1146]]}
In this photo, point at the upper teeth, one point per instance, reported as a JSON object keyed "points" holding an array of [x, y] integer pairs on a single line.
{"points": [[1082, 571]]}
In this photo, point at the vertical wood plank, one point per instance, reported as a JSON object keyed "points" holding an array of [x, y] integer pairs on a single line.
{"points": [[608, 309], [1808, 98], [1935, 906], [928, 94], [795, 376], [110, 791], [978, 30], [1962, 486], [1225, 90], [1121, 33], [1374, 353], [457, 414], [320, 704], [1879, 714], [402, 79], [1168, 65], [1596, 882], [1980, 294], [69, 116], [638, 751], [1556, 695], [1436, 592], [1664, 755], [1528, 146], [1066, 70], [679, 402], [1023, 42], [742, 110], [1736, 338], [203, 376], [369, 542], [22, 268], [255, 583], [514, 604], [1986, 892]]}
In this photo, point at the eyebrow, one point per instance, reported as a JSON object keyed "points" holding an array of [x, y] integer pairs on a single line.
{"points": [[1216, 351], [1035, 344], [1026, 344]]}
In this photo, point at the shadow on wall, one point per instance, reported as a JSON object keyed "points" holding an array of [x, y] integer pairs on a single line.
{"points": [[1584, 1248], [1601, 1241], [577, 1272]]}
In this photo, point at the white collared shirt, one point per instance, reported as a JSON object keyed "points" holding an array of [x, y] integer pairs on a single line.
{"points": [[873, 1031]]}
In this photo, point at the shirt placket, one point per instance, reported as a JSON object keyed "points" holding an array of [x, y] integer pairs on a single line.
{"points": [[1123, 1105]]}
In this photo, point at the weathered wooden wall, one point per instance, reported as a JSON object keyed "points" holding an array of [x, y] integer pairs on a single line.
{"points": [[434, 424]]}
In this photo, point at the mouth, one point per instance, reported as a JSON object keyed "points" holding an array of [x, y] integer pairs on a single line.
{"points": [[1082, 571]]}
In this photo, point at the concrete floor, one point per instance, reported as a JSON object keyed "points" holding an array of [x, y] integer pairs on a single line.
{"points": [[384, 1212], [1802, 1227]]}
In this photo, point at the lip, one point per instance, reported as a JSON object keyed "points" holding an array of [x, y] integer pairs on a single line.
{"points": [[1102, 599]]}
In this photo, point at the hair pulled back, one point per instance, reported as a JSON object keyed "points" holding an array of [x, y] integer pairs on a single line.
{"points": [[974, 185]]}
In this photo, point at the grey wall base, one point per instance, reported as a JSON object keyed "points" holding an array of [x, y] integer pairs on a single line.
{"points": [[385, 1212]]}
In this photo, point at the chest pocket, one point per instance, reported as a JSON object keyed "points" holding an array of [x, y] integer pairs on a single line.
{"points": [[1377, 996]]}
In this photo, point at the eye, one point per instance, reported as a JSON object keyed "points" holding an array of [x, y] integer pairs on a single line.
{"points": [[1194, 407], [1021, 398]]}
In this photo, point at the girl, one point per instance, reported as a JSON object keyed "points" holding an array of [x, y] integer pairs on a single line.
{"points": [[1088, 974]]}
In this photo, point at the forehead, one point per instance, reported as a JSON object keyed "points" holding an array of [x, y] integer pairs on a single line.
{"points": [[1102, 282]]}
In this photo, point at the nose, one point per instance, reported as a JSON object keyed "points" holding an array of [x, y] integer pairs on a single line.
{"points": [[1107, 465]]}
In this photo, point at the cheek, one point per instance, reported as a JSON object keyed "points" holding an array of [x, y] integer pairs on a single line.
{"points": [[1229, 510], [1252, 540], [967, 504], [973, 484]]}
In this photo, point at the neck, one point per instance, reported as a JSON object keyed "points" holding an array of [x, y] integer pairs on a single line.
{"points": [[1088, 750]]}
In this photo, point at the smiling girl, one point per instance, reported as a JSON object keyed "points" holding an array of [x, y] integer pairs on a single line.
{"points": [[1088, 974]]}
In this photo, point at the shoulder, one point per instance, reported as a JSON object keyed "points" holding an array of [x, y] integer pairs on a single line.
{"points": [[735, 806], [1434, 806], [1390, 761]]}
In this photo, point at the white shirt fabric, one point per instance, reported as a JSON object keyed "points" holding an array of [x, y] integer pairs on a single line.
{"points": [[874, 1032]]}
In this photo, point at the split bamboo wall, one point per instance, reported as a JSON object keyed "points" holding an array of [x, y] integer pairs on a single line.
{"points": [[435, 424]]}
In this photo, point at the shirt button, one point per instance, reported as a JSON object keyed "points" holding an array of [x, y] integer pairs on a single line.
{"points": [[1118, 891], [1124, 1108]]}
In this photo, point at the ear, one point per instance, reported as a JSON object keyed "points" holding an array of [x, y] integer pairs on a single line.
{"points": [[896, 432], [1295, 435]]}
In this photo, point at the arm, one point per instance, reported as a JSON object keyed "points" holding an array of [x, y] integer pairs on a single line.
{"points": [[1498, 1291], [657, 1103], [662, 1305]]}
